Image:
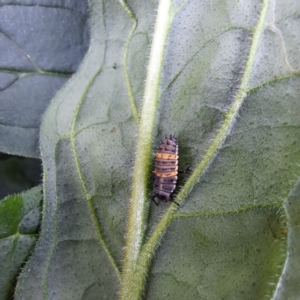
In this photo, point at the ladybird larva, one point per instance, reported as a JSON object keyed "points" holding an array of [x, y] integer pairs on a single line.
{"points": [[165, 170]]}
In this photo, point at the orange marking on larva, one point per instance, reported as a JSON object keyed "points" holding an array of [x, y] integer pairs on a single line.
{"points": [[163, 175], [166, 156]]}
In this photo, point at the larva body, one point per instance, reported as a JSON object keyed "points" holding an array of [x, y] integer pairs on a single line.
{"points": [[165, 170]]}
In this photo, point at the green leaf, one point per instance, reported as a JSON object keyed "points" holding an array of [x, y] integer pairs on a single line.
{"points": [[288, 287], [19, 222], [41, 48], [223, 78]]}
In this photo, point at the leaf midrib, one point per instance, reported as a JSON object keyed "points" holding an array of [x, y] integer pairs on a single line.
{"points": [[148, 248], [230, 117]]}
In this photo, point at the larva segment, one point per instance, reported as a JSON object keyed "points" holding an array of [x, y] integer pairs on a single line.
{"points": [[165, 169]]}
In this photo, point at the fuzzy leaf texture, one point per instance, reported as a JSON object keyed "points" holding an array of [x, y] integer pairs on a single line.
{"points": [[20, 216], [41, 45], [222, 76]]}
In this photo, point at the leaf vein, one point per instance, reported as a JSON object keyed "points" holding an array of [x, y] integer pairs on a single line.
{"points": [[230, 116], [273, 80], [22, 50], [81, 179], [228, 212], [205, 43], [132, 100]]}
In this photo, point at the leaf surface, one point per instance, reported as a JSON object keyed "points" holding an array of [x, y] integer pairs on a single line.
{"points": [[19, 222], [223, 78], [40, 49]]}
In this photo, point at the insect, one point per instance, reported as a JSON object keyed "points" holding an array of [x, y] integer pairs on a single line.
{"points": [[165, 170]]}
